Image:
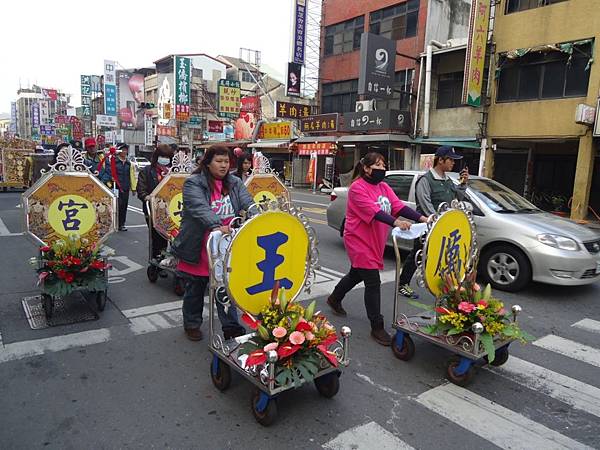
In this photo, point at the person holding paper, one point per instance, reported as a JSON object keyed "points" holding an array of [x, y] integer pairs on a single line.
{"points": [[373, 207]]}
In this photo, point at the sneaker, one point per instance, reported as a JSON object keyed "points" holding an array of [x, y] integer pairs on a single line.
{"points": [[407, 291], [193, 334], [336, 306], [168, 262], [381, 336], [122, 228]]}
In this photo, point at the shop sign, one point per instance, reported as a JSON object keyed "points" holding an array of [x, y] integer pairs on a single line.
{"points": [[320, 123], [287, 110], [86, 95], [102, 120], [292, 88], [215, 126], [183, 68], [110, 88], [476, 48], [228, 99], [377, 68], [387, 119], [320, 148], [299, 43], [250, 104], [275, 130], [47, 130], [163, 130]]}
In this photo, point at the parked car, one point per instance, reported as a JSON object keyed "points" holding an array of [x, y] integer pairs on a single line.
{"points": [[139, 162], [518, 241]]}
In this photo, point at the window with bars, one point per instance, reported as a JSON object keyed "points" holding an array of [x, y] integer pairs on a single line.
{"points": [[522, 5], [402, 88], [339, 97], [344, 37], [449, 94], [397, 21], [539, 75], [246, 77]]}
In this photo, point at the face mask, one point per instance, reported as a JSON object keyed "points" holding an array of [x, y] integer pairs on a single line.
{"points": [[377, 175], [164, 161]]}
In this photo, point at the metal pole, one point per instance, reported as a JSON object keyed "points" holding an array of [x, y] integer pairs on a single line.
{"points": [[315, 174]]}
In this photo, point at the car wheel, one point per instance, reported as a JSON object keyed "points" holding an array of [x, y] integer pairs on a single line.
{"points": [[506, 268]]}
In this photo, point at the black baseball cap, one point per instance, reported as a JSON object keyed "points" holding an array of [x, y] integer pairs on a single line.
{"points": [[122, 146], [447, 152]]}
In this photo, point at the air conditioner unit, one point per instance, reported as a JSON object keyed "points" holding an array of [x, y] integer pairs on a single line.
{"points": [[365, 105]]}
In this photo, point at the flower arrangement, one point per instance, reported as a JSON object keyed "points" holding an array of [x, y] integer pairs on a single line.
{"points": [[68, 264], [300, 336], [463, 304]]}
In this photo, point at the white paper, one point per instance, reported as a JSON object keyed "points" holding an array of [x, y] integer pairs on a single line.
{"points": [[416, 230]]}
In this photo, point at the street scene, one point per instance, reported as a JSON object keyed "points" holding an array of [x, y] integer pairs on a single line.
{"points": [[364, 225]]}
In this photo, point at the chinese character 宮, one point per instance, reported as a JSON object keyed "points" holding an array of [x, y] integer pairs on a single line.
{"points": [[70, 223]]}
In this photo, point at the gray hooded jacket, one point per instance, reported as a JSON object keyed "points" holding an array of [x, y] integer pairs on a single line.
{"points": [[197, 216]]}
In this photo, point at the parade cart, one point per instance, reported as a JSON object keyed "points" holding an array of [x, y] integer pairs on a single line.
{"points": [[164, 207], [70, 213], [262, 267], [464, 318], [16, 163]]}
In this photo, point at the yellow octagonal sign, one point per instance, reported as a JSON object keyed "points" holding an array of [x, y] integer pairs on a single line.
{"points": [[266, 187], [447, 249], [270, 247], [166, 204], [63, 204]]}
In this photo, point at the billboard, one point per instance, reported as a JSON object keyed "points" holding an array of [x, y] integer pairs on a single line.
{"points": [[183, 78], [165, 98], [110, 88], [292, 88], [299, 32], [228, 99], [476, 47], [131, 95], [86, 96], [35, 115], [13, 117], [377, 68]]}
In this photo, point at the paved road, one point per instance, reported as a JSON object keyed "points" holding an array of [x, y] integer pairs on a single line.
{"points": [[132, 380]]}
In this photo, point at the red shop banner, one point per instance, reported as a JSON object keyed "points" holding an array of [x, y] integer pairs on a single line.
{"points": [[215, 126]]}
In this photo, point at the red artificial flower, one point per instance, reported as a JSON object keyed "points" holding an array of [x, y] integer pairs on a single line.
{"points": [[442, 310], [61, 274], [287, 349], [256, 357], [97, 264], [303, 326], [331, 357], [329, 340], [45, 248], [174, 232], [69, 277], [250, 321], [75, 261], [483, 303]]}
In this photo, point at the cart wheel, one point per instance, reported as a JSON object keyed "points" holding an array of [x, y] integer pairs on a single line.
{"points": [[101, 300], [152, 273], [328, 385], [460, 371], [220, 374], [264, 408], [403, 346], [179, 286], [500, 357], [48, 305]]}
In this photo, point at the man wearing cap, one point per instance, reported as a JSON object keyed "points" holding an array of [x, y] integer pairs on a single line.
{"points": [[91, 158], [432, 189], [118, 173]]}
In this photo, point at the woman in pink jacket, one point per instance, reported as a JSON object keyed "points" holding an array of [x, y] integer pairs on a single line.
{"points": [[372, 209]]}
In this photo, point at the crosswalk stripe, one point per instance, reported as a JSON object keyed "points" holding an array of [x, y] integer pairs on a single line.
{"points": [[495, 423], [588, 325], [570, 348], [568, 390], [364, 437]]}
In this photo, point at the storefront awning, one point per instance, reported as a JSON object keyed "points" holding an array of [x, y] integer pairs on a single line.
{"points": [[270, 144], [374, 138], [450, 141], [316, 139]]}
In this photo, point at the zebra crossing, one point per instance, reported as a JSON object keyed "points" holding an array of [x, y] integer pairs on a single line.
{"points": [[490, 416]]}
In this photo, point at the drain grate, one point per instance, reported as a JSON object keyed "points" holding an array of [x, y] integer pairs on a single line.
{"points": [[69, 310]]}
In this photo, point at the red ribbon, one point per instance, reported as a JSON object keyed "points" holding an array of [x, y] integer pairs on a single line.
{"points": [[113, 165]]}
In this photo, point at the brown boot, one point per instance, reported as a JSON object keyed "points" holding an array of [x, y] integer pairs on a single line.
{"points": [[193, 334], [381, 336], [336, 307]]}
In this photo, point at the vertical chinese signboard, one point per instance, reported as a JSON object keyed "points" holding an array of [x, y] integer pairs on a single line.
{"points": [[299, 43], [377, 70], [86, 96], [183, 69], [110, 88], [476, 47], [13, 117], [228, 99], [35, 115]]}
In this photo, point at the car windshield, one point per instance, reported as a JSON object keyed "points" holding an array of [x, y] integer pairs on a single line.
{"points": [[499, 198]]}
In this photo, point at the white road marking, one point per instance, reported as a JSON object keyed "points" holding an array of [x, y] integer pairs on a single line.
{"points": [[366, 437], [146, 310], [588, 325], [495, 423], [324, 205], [130, 266], [142, 325], [4, 231], [160, 322], [568, 390], [570, 349]]}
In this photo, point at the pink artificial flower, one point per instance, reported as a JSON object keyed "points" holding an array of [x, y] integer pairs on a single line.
{"points": [[502, 311], [309, 336], [466, 307], [271, 346], [297, 338], [279, 332]]}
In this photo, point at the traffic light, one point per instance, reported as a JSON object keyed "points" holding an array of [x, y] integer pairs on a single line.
{"points": [[147, 105]]}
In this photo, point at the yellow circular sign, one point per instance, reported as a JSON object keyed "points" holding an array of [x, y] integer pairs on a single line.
{"points": [[270, 247], [71, 214], [448, 249], [264, 197], [175, 207]]}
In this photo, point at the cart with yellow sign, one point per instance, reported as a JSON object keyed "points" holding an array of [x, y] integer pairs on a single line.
{"points": [[464, 319], [263, 184], [164, 205], [262, 267], [16, 163], [70, 213]]}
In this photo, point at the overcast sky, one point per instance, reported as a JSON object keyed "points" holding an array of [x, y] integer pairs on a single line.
{"points": [[51, 43]]}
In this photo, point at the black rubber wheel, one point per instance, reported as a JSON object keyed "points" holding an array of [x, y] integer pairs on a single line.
{"points": [[500, 357], [460, 380], [407, 351], [222, 378], [328, 385], [269, 414], [179, 287], [101, 300], [48, 305], [505, 267], [152, 273]]}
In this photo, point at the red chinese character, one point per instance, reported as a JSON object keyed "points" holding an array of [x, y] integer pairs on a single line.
{"points": [[482, 7], [476, 75], [478, 53]]}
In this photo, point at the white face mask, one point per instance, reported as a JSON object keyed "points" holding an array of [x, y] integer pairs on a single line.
{"points": [[163, 161]]}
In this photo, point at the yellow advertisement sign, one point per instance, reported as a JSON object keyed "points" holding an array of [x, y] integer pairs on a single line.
{"points": [[448, 249], [275, 130], [229, 98], [265, 188], [166, 204], [476, 49], [270, 247], [62, 205]]}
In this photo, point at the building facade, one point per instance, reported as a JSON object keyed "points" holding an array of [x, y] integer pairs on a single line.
{"points": [[47, 107]]}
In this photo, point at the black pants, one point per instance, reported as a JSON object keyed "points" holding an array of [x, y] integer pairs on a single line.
{"points": [[123, 202], [410, 266], [157, 243], [372, 292]]}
